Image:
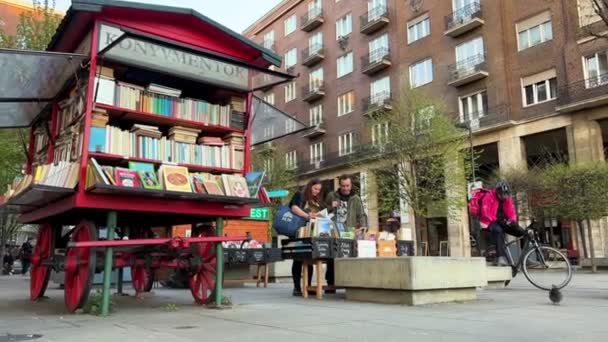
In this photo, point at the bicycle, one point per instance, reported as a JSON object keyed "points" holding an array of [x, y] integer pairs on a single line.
{"points": [[538, 262]]}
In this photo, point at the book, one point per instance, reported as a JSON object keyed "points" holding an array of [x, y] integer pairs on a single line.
{"points": [[155, 88], [198, 185], [97, 139], [226, 185], [105, 90], [212, 187], [237, 186], [175, 178], [254, 182], [126, 178], [99, 171], [149, 180], [109, 172], [139, 166]]}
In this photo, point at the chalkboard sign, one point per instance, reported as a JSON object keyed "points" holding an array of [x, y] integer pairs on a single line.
{"points": [[256, 256], [344, 248], [405, 248], [240, 256], [322, 248]]}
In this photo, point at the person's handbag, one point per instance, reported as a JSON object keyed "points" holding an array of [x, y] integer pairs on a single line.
{"points": [[287, 223]]}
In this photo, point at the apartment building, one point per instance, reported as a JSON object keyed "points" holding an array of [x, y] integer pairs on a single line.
{"points": [[523, 75]]}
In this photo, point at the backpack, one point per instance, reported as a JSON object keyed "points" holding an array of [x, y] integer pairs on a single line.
{"points": [[476, 201]]}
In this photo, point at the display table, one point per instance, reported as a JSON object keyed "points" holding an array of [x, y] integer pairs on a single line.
{"points": [[411, 280]]}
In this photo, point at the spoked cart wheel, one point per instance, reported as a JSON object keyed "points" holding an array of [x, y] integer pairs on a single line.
{"points": [[79, 267], [42, 251], [204, 268], [142, 278]]}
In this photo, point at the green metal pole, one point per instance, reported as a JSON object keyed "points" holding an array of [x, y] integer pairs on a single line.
{"points": [[219, 254], [107, 267]]}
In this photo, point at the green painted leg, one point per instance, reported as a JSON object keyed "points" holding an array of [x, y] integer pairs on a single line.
{"points": [[219, 255], [107, 267]]}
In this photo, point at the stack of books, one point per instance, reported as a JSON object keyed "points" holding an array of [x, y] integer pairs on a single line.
{"points": [[146, 131], [71, 109], [184, 134], [100, 118], [236, 145]]}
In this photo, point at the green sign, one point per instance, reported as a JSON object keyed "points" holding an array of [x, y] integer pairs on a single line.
{"points": [[259, 214]]}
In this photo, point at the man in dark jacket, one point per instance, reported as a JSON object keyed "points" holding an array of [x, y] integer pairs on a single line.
{"points": [[26, 256], [7, 263]]}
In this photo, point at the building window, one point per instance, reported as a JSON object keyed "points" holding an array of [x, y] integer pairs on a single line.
{"points": [[345, 64], [291, 58], [378, 48], [290, 91], [291, 160], [375, 9], [269, 40], [586, 13], [268, 131], [346, 103], [380, 133], [268, 164], [596, 69], [290, 125], [316, 153], [421, 73], [418, 28], [344, 26], [380, 90], [269, 98], [315, 79], [539, 88], [473, 107], [345, 144], [316, 115], [470, 51], [315, 43], [534, 31], [291, 24]]}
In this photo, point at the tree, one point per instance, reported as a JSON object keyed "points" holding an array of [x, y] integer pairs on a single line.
{"points": [[594, 17], [423, 157], [9, 227]]}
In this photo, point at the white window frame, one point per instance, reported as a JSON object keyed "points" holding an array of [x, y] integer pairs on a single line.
{"points": [[543, 35], [344, 26], [290, 91], [291, 160], [413, 69], [378, 48], [269, 39], [315, 43], [380, 90], [268, 165], [345, 64], [345, 144], [476, 43], [316, 153], [290, 125], [414, 24], [373, 9], [547, 84], [290, 25], [269, 131], [316, 114], [269, 98], [291, 58], [600, 79], [481, 106], [380, 133], [315, 79], [346, 103]]}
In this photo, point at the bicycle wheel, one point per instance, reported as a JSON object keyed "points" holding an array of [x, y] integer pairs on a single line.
{"points": [[546, 267]]}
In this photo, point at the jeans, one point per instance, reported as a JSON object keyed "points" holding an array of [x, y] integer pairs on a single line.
{"points": [[296, 274], [25, 265], [498, 235]]}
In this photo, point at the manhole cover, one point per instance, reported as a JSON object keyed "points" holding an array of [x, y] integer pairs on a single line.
{"points": [[16, 338]]}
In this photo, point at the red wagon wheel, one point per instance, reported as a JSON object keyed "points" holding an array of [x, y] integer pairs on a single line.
{"points": [[79, 267], [202, 280], [142, 278], [42, 251]]}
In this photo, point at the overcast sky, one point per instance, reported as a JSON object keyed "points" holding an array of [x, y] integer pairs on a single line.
{"points": [[236, 14]]}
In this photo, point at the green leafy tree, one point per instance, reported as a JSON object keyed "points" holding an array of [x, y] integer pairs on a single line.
{"points": [[422, 157]]}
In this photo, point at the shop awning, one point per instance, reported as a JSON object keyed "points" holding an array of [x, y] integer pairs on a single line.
{"points": [[30, 80], [269, 123]]}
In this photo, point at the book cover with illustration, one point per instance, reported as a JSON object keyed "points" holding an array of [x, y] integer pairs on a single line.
{"points": [[213, 187], [126, 178], [198, 185], [139, 166], [238, 186], [254, 181], [149, 180], [176, 178]]}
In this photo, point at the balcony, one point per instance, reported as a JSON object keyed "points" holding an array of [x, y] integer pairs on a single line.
{"points": [[374, 20], [466, 71], [464, 20], [490, 119], [313, 92], [270, 44], [313, 55], [583, 94], [315, 131], [312, 19], [378, 103], [334, 159], [376, 61]]}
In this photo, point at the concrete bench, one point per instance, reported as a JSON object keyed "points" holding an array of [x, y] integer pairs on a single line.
{"points": [[411, 280], [497, 276]]}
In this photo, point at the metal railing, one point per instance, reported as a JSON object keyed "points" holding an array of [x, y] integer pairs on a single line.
{"points": [[312, 14], [313, 88], [374, 14], [316, 49], [489, 117], [376, 56], [463, 15], [583, 90], [335, 159], [376, 101], [467, 67]]}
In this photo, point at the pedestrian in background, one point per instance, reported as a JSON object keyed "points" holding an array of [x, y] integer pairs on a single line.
{"points": [[26, 256]]}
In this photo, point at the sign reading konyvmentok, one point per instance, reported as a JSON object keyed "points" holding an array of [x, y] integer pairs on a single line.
{"points": [[168, 59]]}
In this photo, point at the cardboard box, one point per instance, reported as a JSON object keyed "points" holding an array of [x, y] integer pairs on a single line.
{"points": [[387, 248], [366, 249]]}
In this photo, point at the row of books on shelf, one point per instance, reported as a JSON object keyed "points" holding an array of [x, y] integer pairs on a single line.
{"points": [[63, 174], [164, 101], [71, 109], [212, 151], [174, 178]]}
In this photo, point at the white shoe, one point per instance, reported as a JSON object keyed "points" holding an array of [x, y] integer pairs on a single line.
{"points": [[502, 261]]}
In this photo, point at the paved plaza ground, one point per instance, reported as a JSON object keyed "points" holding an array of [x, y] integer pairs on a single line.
{"points": [[517, 313]]}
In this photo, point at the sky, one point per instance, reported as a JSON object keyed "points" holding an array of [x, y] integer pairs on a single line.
{"points": [[235, 14]]}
